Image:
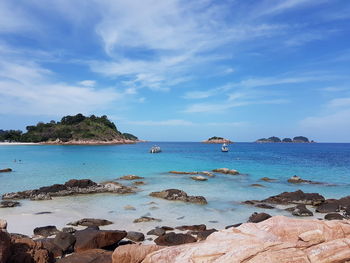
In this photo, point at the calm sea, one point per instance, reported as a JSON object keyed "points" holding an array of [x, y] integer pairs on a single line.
{"points": [[46, 165]]}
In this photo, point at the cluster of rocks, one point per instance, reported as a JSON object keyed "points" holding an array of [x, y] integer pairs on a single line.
{"points": [[333, 208], [72, 187], [204, 175], [179, 195]]}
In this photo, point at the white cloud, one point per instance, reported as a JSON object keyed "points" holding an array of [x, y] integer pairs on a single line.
{"points": [[340, 102], [88, 83]]}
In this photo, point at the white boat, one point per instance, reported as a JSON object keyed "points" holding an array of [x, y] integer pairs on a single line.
{"points": [[224, 148], [155, 149]]}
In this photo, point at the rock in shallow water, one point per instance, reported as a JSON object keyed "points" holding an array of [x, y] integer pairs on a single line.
{"points": [[258, 217], [178, 195], [333, 216], [6, 170], [173, 239], [199, 178], [226, 171], [131, 177], [301, 210], [297, 197], [45, 231], [90, 222], [6, 204], [146, 219]]}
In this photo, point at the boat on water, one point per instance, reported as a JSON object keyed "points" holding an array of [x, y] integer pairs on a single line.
{"points": [[224, 148], [155, 149]]}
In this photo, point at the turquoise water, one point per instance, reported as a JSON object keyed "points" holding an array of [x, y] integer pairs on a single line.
{"points": [[46, 165]]}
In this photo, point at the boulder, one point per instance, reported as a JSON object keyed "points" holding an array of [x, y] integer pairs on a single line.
{"points": [[134, 253], [199, 178], [6, 170], [135, 236], [333, 216], [178, 195], [3, 224], [45, 231], [70, 230], [173, 239], [90, 222], [49, 245], [297, 197], [201, 227], [276, 240], [82, 183], [51, 189], [297, 180], [157, 232], [64, 241], [301, 210], [334, 205], [202, 235], [226, 171], [206, 173], [258, 217], [5, 204], [5, 244], [131, 177], [91, 238], [267, 179], [143, 219], [89, 256]]}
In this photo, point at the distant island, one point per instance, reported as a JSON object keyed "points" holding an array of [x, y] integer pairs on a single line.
{"points": [[216, 139], [77, 129], [274, 139]]}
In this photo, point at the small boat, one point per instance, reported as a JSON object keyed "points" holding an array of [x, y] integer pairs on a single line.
{"points": [[224, 148], [155, 149]]}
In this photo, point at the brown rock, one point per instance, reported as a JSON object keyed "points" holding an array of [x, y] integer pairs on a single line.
{"points": [[258, 217], [257, 185], [178, 195], [146, 219], [301, 210], [267, 179], [202, 235], [131, 177], [297, 197], [45, 231], [135, 236], [89, 256], [178, 172], [156, 232], [201, 227], [226, 171], [6, 170], [333, 216], [133, 253], [173, 239], [91, 238], [5, 204], [5, 246], [199, 178], [83, 183], [91, 222], [64, 241]]}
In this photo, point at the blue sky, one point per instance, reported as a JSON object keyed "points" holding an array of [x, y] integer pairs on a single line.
{"points": [[176, 70]]}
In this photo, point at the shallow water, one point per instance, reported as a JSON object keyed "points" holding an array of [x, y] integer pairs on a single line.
{"points": [[46, 165]]}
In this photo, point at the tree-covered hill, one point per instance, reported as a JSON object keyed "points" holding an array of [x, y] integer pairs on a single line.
{"points": [[70, 128]]}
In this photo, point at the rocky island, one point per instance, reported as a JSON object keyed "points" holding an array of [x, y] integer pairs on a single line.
{"points": [[77, 129], [216, 139], [274, 139]]}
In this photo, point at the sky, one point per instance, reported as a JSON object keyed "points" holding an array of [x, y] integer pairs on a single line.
{"points": [[180, 70]]}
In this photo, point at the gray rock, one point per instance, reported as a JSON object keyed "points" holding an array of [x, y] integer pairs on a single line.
{"points": [[135, 236]]}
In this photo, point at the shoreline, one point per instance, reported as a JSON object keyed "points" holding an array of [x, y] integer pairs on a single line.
{"points": [[114, 142]]}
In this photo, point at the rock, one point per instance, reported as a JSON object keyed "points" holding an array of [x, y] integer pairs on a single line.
{"points": [[43, 213], [25, 250], [51, 189], [131, 177], [143, 219], [216, 139], [267, 179], [199, 178], [40, 197], [91, 238], [333, 216], [297, 197], [49, 245], [173, 239], [5, 204], [45, 231], [258, 217], [334, 205], [178, 172], [3, 224], [157, 232], [201, 227], [135, 236], [276, 240], [133, 253], [65, 241], [202, 235], [167, 228], [5, 243], [301, 210], [297, 180], [91, 222], [129, 207], [178, 195], [89, 256], [264, 206], [226, 171], [139, 183], [206, 173], [6, 170], [83, 183], [257, 185], [69, 230]]}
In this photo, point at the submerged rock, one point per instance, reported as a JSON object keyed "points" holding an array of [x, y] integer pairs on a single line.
{"points": [[6, 204], [129, 207], [178, 195], [173, 239], [131, 177], [146, 219], [90, 222], [6, 170], [297, 180], [179, 172], [199, 178], [267, 179], [257, 185], [226, 171]]}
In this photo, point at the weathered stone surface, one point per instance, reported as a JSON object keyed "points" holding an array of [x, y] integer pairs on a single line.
{"points": [[276, 240], [201, 227], [226, 171], [258, 217], [3, 224], [173, 239], [45, 231], [301, 210], [131, 177], [91, 238], [64, 241], [297, 197], [5, 204], [206, 173], [90, 222], [49, 245], [139, 183], [6, 170], [198, 178], [264, 206], [83, 183], [69, 230], [133, 253], [156, 232], [135, 236], [202, 235], [297, 180], [178, 195], [5, 245], [334, 205], [89, 256], [143, 219], [333, 216], [267, 179]]}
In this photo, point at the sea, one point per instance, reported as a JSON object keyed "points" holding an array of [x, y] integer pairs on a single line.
{"points": [[35, 166]]}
